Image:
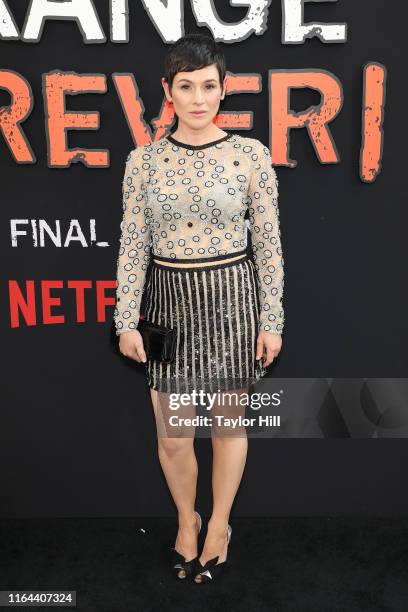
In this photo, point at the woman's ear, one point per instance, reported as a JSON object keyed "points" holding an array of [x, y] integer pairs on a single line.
{"points": [[224, 88], [165, 86]]}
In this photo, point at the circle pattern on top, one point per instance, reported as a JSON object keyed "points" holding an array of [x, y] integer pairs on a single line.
{"points": [[190, 201]]}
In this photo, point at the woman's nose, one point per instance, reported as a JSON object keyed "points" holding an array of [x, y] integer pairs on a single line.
{"points": [[198, 96]]}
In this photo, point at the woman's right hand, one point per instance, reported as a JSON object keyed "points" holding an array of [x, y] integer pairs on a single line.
{"points": [[131, 345]]}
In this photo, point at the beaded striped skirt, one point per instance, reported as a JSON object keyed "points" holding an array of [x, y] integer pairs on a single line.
{"points": [[213, 304]]}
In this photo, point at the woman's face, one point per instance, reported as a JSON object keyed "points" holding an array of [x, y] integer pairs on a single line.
{"points": [[199, 90]]}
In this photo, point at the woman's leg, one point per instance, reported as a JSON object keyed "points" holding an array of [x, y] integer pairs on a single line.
{"points": [[178, 461], [230, 447]]}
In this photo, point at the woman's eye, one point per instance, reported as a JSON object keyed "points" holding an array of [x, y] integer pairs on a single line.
{"points": [[210, 86]]}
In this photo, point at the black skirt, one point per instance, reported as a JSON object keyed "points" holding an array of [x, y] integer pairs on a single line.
{"points": [[215, 310]]}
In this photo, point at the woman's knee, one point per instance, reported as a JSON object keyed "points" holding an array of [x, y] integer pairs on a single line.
{"points": [[175, 446]]}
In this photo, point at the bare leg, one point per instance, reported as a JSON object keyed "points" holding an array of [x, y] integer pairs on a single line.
{"points": [[229, 456], [178, 461]]}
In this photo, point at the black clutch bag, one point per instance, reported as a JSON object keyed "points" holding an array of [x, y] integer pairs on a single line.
{"points": [[159, 342]]}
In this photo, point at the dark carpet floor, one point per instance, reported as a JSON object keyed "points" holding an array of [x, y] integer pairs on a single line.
{"points": [[279, 564]]}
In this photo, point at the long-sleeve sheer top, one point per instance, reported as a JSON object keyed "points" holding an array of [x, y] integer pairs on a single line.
{"points": [[183, 201]]}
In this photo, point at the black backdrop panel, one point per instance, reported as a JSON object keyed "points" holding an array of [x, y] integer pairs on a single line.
{"points": [[77, 429]]}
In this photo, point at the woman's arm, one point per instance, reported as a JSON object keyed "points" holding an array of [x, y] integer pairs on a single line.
{"points": [[134, 251], [266, 239]]}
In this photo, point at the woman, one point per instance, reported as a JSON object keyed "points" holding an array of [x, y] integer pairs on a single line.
{"points": [[185, 199]]}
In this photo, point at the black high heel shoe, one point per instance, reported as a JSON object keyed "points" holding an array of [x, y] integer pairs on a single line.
{"points": [[181, 567], [211, 564]]}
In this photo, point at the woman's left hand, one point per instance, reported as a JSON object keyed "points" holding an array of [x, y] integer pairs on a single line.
{"points": [[268, 346]]}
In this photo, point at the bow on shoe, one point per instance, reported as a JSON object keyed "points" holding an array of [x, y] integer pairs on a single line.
{"points": [[204, 570], [180, 563]]}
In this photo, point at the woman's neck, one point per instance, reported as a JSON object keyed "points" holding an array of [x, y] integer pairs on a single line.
{"points": [[194, 137]]}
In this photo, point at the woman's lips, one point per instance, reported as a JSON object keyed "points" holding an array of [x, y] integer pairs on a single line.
{"points": [[198, 113]]}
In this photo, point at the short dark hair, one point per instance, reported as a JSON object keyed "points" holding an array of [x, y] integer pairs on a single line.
{"points": [[193, 52]]}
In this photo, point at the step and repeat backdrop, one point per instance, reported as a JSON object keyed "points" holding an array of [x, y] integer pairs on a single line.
{"points": [[322, 85]]}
